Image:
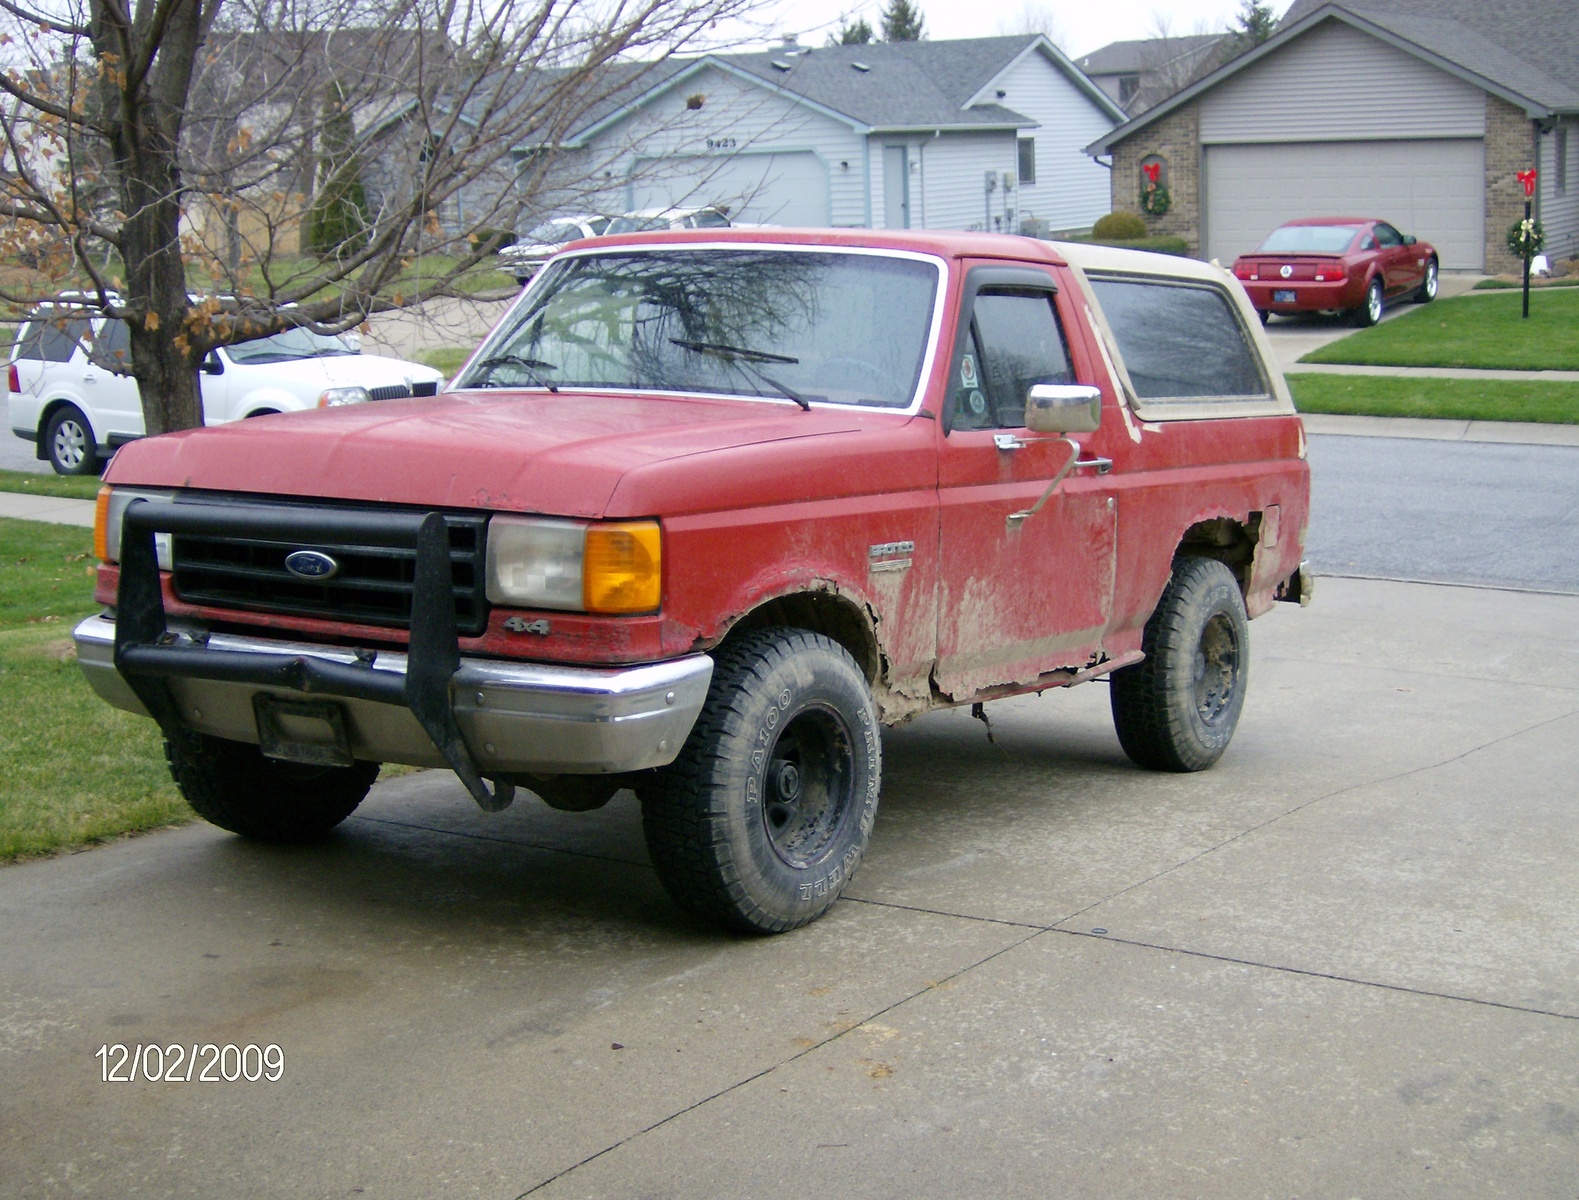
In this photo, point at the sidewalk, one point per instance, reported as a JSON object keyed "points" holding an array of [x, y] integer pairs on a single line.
{"points": [[55, 509]]}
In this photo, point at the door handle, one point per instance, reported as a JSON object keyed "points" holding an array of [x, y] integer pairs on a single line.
{"points": [[1103, 465], [1007, 441]]}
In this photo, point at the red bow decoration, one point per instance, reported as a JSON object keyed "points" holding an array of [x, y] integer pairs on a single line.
{"points": [[1527, 178], [1152, 170]]}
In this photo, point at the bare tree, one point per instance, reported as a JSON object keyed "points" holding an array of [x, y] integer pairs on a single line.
{"points": [[1034, 16], [161, 157]]}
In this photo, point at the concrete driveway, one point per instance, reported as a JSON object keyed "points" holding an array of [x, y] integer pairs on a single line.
{"points": [[1342, 963]]}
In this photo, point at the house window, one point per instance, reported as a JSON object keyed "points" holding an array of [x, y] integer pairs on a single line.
{"points": [[1128, 85], [1560, 152], [1027, 161]]}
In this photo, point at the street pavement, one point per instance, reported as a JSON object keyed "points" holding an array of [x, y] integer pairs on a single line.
{"points": [[1340, 963]]}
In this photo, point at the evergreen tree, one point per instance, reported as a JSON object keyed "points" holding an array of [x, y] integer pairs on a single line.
{"points": [[337, 222], [1256, 24], [859, 33], [902, 22]]}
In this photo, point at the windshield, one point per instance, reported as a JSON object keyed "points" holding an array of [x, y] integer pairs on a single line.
{"points": [[555, 233], [287, 346], [829, 327], [636, 224], [1309, 239]]}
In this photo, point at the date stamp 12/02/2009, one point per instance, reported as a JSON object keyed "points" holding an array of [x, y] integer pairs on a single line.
{"points": [[199, 1062]]}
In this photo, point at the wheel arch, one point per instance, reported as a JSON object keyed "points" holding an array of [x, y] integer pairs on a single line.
{"points": [[839, 617], [1229, 540], [53, 405]]}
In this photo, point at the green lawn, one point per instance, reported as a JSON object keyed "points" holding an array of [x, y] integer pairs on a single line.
{"points": [[73, 770], [1470, 331], [1445, 399], [77, 487], [448, 359]]}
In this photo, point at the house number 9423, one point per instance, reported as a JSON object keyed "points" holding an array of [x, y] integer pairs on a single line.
{"points": [[722, 143]]}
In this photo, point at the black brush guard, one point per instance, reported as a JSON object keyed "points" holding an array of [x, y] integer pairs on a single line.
{"points": [[147, 654]]}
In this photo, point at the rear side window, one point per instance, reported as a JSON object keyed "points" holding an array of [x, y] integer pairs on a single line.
{"points": [[51, 340], [115, 342], [1179, 339]]}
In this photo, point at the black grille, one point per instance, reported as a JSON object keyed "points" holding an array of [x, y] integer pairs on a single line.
{"points": [[373, 585], [395, 391], [430, 388]]}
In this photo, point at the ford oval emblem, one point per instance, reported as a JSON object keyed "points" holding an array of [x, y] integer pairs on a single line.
{"points": [[310, 564]]}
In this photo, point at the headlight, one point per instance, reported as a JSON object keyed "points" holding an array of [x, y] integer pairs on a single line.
{"points": [[335, 397], [111, 507], [603, 567]]}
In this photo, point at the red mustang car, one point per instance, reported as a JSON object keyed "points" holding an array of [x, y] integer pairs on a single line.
{"points": [[1337, 264]]}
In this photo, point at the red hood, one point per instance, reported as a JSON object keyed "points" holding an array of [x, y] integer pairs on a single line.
{"points": [[525, 452]]}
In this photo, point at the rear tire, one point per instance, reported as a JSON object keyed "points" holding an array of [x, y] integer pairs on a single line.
{"points": [[232, 785], [761, 821], [1177, 709], [1370, 310], [69, 443]]}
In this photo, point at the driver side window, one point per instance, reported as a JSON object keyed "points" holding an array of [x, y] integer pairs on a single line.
{"points": [[1015, 341]]}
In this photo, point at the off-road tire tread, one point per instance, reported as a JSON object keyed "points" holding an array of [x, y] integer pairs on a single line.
{"points": [[1151, 727], [688, 843], [232, 785]]}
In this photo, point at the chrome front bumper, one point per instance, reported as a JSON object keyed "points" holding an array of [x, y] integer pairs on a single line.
{"points": [[515, 717]]}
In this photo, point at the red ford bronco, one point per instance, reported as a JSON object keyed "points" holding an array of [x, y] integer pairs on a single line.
{"points": [[700, 515]]}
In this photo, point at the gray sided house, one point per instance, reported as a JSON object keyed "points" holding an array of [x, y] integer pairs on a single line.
{"points": [[1417, 111], [984, 133]]}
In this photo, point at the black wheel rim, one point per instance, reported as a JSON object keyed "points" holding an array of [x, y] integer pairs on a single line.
{"points": [[809, 786], [1216, 669]]}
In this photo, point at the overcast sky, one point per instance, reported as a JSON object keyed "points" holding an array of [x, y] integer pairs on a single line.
{"points": [[1079, 26]]}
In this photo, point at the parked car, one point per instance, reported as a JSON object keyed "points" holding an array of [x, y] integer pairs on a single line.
{"points": [[78, 411], [700, 515], [523, 259], [1337, 264], [656, 220]]}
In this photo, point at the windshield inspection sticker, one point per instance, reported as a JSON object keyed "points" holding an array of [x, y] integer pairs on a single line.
{"points": [[967, 372]]}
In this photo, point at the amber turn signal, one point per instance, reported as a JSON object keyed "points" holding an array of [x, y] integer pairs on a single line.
{"points": [[101, 524], [623, 567]]}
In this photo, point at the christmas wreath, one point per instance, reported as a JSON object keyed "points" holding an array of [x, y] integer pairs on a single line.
{"points": [[1154, 197], [1525, 237]]}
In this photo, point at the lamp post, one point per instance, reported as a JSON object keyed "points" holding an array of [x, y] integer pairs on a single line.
{"points": [[1526, 242]]}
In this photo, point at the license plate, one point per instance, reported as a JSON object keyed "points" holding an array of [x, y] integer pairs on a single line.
{"points": [[1283, 296], [310, 732]]}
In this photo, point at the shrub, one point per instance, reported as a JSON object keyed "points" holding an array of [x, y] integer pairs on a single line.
{"points": [[1119, 227]]}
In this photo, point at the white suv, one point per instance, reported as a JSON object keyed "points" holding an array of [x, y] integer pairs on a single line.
{"points": [[78, 411]]}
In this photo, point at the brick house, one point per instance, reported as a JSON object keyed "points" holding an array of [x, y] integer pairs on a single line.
{"points": [[1418, 111]]}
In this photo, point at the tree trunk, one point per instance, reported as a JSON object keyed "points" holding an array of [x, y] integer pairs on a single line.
{"points": [[148, 93]]}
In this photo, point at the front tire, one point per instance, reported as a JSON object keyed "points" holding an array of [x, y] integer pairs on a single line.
{"points": [[233, 785], [1177, 709], [1426, 292], [761, 821], [1370, 310], [69, 443]]}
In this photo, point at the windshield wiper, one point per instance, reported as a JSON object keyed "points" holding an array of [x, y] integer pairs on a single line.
{"points": [[745, 359], [532, 366]]}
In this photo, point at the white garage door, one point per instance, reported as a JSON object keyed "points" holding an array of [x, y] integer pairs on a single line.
{"points": [[772, 189], [1432, 189]]}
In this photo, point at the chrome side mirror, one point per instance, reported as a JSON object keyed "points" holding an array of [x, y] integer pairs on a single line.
{"points": [[1063, 408]]}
